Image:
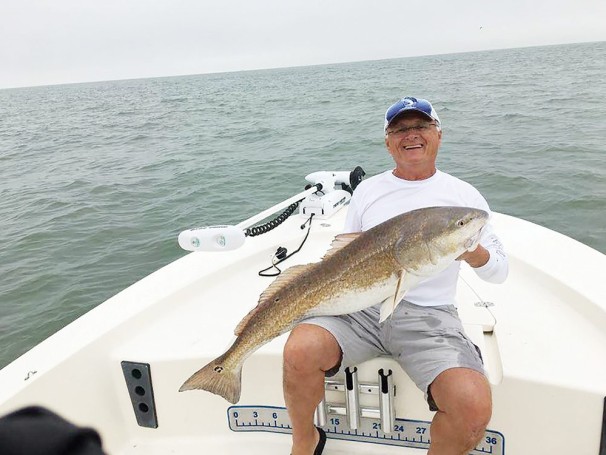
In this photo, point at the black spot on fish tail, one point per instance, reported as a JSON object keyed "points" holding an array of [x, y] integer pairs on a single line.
{"points": [[217, 379]]}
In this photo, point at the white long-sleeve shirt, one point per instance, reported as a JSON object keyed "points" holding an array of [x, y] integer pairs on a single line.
{"points": [[384, 196]]}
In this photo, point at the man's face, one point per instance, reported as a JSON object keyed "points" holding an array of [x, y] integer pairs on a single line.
{"points": [[416, 146]]}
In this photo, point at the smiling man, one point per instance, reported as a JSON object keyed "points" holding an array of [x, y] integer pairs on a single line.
{"points": [[425, 334], [412, 137]]}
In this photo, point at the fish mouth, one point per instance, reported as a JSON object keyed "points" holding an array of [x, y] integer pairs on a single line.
{"points": [[473, 241]]}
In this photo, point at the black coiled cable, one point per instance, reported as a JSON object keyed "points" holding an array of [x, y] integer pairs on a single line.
{"points": [[272, 224]]}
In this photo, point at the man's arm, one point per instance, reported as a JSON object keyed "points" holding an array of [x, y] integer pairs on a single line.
{"points": [[488, 260], [353, 221]]}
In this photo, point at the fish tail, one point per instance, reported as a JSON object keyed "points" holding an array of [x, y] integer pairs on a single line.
{"points": [[217, 379]]}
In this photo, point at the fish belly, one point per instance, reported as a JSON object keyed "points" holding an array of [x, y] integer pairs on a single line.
{"points": [[352, 300]]}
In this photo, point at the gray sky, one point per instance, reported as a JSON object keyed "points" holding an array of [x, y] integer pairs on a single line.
{"points": [[60, 41]]}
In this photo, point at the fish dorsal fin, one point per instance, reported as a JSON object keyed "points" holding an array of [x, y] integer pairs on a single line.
{"points": [[339, 242], [283, 280]]}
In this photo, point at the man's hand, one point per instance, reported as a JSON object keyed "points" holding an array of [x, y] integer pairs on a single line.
{"points": [[475, 258]]}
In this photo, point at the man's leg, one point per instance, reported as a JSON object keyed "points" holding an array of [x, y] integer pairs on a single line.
{"points": [[464, 400], [309, 352]]}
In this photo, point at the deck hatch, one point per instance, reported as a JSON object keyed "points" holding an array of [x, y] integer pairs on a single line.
{"points": [[138, 382]]}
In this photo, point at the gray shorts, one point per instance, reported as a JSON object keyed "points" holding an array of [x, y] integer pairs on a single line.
{"points": [[425, 341]]}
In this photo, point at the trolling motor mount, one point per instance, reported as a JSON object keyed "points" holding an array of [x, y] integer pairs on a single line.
{"points": [[335, 193]]}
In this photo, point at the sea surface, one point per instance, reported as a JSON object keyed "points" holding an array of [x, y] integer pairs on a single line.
{"points": [[98, 179]]}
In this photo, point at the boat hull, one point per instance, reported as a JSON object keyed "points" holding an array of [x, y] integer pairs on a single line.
{"points": [[540, 333]]}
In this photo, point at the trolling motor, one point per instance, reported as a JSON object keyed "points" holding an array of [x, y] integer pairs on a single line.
{"points": [[330, 198], [326, 194]]}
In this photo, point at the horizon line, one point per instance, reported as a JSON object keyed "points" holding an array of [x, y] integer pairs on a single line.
{"points": [[136, 78]]}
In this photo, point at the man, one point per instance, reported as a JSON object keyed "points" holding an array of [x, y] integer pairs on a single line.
{"points": [[438, 356]]}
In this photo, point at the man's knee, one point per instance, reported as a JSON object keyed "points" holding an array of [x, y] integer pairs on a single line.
{"points": [[476, 414], [465, 394], [464, 400], [311, 347]]}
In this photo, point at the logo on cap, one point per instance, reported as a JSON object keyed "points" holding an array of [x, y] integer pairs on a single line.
{"points": [[410, 103]]}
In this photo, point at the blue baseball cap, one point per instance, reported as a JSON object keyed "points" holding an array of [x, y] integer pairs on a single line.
{"points": [[410, 104]]}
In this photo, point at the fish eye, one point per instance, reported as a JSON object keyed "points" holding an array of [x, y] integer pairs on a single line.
{"points": [[461, 223]]}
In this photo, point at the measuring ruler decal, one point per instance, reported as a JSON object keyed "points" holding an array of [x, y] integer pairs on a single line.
{"points": [[406, 433]]}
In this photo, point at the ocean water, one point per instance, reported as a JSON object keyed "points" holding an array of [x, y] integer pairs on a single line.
{"points": [[97, 179]]}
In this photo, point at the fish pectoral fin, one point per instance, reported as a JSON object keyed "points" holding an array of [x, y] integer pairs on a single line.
{"points": [[387, 308], [271, 294], [339, 242], [390, 303]]}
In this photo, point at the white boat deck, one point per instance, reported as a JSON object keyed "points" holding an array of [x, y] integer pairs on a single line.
{"points": [[542, 335], [256, 444]]}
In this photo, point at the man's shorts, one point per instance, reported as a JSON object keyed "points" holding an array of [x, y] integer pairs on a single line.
{"points": [[425, 341]]}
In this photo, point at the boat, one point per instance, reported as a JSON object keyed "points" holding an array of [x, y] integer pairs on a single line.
{"points": [[119, 367]]}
